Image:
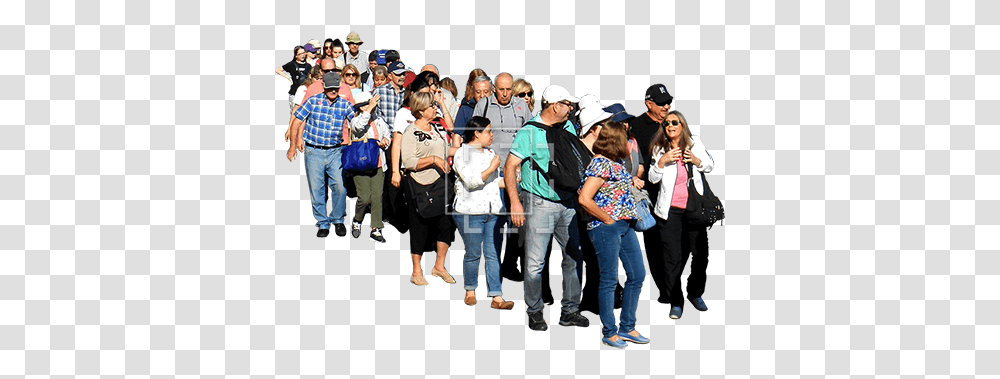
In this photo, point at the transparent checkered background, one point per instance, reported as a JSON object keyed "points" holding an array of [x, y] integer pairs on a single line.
{"points": [[150, 224]]}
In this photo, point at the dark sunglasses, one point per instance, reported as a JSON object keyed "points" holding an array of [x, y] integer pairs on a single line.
{"points": [[423, 136], [526, 94], [671, 122], [353, 43], [351, 74]]}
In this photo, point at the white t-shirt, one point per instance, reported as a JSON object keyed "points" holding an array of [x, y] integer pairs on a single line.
{"points": [[300, 93]]}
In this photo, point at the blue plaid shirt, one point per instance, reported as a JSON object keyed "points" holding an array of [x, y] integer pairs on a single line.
{"points": [[388, 103], [324, 120]]}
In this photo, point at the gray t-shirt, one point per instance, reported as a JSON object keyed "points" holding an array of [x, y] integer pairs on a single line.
{"points": [[506, 120]]}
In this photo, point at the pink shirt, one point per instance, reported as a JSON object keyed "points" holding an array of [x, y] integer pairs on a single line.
{"points": [[680, 196]]}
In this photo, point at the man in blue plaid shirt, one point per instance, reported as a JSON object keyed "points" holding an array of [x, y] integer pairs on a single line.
{"points": [[391, 95], [319, 128]]}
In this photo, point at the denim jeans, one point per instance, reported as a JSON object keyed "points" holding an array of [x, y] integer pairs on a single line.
{"points": [[477, 234], [614, 242], [322, 170], [542, 220]]}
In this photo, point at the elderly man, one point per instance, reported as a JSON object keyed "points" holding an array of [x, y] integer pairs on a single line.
{"points": [[549, 212], [354, 54], [482, 86], [318, 132]]}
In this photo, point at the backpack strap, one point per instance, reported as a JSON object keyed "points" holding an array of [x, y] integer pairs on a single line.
{"points": [[487, 107]]}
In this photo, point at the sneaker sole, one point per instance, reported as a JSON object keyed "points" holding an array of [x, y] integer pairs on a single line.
{"points": [[616, 347], [632, 340], [571, 324], [375, 240]]}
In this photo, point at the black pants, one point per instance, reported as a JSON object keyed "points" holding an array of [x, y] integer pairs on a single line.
{"points": [[681, 240]]}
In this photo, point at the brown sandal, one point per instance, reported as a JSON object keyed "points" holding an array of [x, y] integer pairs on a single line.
{"points": [[418, 280], [507, 305], [443, 275]]}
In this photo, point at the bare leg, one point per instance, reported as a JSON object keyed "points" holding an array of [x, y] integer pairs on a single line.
{"points": [[442, 252], [417, 271]]}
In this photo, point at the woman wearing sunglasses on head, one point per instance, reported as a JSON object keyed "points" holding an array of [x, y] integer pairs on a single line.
{"points": [[677, 155]]}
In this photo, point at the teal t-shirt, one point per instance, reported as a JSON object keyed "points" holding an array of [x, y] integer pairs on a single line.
{"points": [[530, 142]]}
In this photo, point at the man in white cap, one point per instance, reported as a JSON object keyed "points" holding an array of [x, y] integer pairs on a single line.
{"points": [[550, 213]]}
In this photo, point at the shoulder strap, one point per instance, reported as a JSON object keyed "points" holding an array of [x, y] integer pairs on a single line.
{"points": [[487, 107]]}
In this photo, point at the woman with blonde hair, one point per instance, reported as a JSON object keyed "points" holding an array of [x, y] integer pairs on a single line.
{"points": [[424, 153], [523, 89]]}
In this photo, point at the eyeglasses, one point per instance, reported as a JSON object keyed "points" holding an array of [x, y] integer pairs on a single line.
{"points": [[422, 136], [670, 122], [353, 43], [526, 94], [350, 75], [661, 105], [566, 103], [328, 48]]}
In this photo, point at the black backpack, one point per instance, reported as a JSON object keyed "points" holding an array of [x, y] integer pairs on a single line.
{"points": [[568, 160]]}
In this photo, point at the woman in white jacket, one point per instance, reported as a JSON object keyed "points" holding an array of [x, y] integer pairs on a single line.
{"points": [[477, 206], [673, 151], [370, 187]]}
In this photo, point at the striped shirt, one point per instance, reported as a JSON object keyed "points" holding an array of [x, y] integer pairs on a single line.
{"points": [[324, 119]]}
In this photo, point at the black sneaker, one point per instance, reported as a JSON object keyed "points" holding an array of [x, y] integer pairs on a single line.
{"points": [[341, 229], [322, 233], [355, 229], [574, 319], [376, 235], [537, 322]]}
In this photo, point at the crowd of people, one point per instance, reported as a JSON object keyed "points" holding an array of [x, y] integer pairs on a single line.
{"points": [[506, 176]]}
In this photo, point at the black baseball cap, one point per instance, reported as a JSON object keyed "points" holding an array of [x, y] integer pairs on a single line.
{"points": [[658, 94]]}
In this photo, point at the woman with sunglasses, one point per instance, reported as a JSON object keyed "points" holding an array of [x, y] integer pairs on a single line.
{"points": [[677, 155], [523, 89], [424, 153], [350, 75]]}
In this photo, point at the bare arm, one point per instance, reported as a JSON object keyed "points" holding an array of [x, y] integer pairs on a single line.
{"points": [[510, 184], [281, 71], [586, 199], [397, 139]]}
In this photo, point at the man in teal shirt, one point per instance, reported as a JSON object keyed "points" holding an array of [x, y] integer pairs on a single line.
{"points": [[547, 214]]}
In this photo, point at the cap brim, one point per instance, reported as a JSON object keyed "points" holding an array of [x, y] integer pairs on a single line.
{"points": [[399, 72]]}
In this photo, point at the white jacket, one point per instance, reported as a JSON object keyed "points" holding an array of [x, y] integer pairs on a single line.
{"points": [[377, 131], [473, 195], [669, 175]]}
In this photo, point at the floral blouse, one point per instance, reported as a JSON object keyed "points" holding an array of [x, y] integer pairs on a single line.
{"points": [[615, 195]]}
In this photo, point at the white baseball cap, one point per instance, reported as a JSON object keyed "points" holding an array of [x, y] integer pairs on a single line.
{"points": [[556, 93]]}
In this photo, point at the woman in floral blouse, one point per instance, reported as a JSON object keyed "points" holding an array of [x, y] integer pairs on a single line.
{"points": [[606, 194], [477, 205]]}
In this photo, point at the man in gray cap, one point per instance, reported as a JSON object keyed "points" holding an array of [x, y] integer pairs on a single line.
{"points": [[319, 129]]}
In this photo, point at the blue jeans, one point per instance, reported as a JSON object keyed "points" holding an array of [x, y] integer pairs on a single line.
{"points": [[478, 234], [614, 242], [322, 170], [542, 220]]}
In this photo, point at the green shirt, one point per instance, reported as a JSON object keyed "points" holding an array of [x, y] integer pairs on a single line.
{"points": [[530, 142]]}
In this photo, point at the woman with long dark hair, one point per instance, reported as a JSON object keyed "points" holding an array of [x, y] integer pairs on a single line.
{"points": [[677, 157]]}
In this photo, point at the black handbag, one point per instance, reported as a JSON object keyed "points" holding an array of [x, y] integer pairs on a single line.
{"points": [[430, 200], [702, 209]]}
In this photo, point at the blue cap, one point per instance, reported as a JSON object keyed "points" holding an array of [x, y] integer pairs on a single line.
{"points": [[396, 67], [618, 110]]}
